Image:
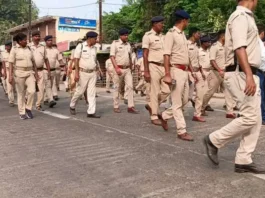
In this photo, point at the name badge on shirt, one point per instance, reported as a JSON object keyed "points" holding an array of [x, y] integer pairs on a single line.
{"points": [[84, 50]]}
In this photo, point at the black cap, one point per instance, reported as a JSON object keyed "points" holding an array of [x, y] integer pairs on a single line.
{"points": [[123, 31], [8, 43], [205, 38], [36, 32], [157, 19], [182, 14], [91, 34], [48, 37]]}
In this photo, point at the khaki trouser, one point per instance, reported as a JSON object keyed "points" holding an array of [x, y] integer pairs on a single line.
{"points": [[25, 85], [72, 83], [201, 88], [87, 82], [9, 88], [147, 92], [214, 82], [192, 86], [56, 82], [48, 85], [109, 77], [41, 86], [4, 84], [179, 97], [248, 125], [123, 90], [126, 76], [159, 90]]}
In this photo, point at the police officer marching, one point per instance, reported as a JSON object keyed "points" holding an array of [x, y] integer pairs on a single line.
{"points": [[22, 69], [176, 62], [40, 57], [85, 74], [154, 70], [120, 55], [53, 56], [242, 52], [9, 86]]}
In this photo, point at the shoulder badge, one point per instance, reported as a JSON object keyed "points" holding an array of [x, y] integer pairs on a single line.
{"points": [[116, 41], [148, 33]]}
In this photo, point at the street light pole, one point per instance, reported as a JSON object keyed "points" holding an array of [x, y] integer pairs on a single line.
{"points": [[100, 23], [30, 18]]}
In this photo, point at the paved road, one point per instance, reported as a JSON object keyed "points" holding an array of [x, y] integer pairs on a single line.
{"points": [[120, 155]]}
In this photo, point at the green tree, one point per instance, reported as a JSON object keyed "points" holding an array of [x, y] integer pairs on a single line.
{"points": [[13, 13]]}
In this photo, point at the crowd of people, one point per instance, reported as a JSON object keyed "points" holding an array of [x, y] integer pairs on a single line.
{"points": [[172, 69]]}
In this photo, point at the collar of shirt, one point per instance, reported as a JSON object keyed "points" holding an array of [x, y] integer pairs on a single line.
{"points": [[245, 10], [219, 43], [155, 33], [177, 29], [33, 45], [121, 42], [204, 50], [191, 42], [85, 44]]}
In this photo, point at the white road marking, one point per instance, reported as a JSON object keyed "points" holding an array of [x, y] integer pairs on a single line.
{"points": [[56, 115], [260, 176]]}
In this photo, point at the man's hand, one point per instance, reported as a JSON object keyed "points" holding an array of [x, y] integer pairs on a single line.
{"points": [[167, 79], [118, 71], [147, 76], [76, 76], [11, 79], [222, 74], [250, 89]]}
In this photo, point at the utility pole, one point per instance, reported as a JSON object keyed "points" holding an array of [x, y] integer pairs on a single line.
{"points": [[100, 23], [30, 15]]}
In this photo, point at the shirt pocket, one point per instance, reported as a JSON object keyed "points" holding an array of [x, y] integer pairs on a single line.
{"points": [[20, 56], [156, 44]]}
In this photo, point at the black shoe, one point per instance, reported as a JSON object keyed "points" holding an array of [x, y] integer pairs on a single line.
{"points": [[249, 168], [93, 116], [23, 117], [96, 95], [46, 102], [209, 108], [29, 114], [52, 104], [142, 94], [136, 91], [108, 91], [72, 111], [39, 108], [125, 101], [211, 150], [56, 98]]}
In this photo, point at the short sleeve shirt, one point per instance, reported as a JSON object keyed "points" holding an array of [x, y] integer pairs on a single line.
{"points": [[241, 31], [204, 58], [21, 57], [217, 53], [122, 52], [87, 56], [53, 56], [193, 54], [5, 57], [39, 53], [154, 42], [176, 46]]}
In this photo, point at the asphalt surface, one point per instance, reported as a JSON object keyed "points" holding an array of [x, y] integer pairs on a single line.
{"points": [[120, 155]]}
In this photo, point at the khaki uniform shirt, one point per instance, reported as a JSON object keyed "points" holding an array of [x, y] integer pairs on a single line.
{"points": [[176, 46], [109, 66], [242, 32], [193, 54], [217, 53], [154, 43], [122, 52], [87, 56], [5, 57], [53, 55], [204, 59], [39, 53]]}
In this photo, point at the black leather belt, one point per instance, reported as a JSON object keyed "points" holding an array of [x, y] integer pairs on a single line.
{"points": [[232, 68], [51, 69]]}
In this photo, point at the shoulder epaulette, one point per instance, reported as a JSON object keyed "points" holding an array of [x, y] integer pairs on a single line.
{"points": [[171, 30], [148, 33], [116, 41]]}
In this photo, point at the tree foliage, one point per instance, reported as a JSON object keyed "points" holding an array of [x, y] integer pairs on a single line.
{"points": [[207, 15], [12, 13]]}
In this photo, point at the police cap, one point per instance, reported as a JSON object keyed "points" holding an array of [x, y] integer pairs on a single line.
{"points": [[205, 39], [8, 43], [123, 31], [48, 37], [35, 33], [91, 34], [182, 14], [157, 19]]}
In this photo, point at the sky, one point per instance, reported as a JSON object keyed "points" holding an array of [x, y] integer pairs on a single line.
{"points": [[86, 12]]}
